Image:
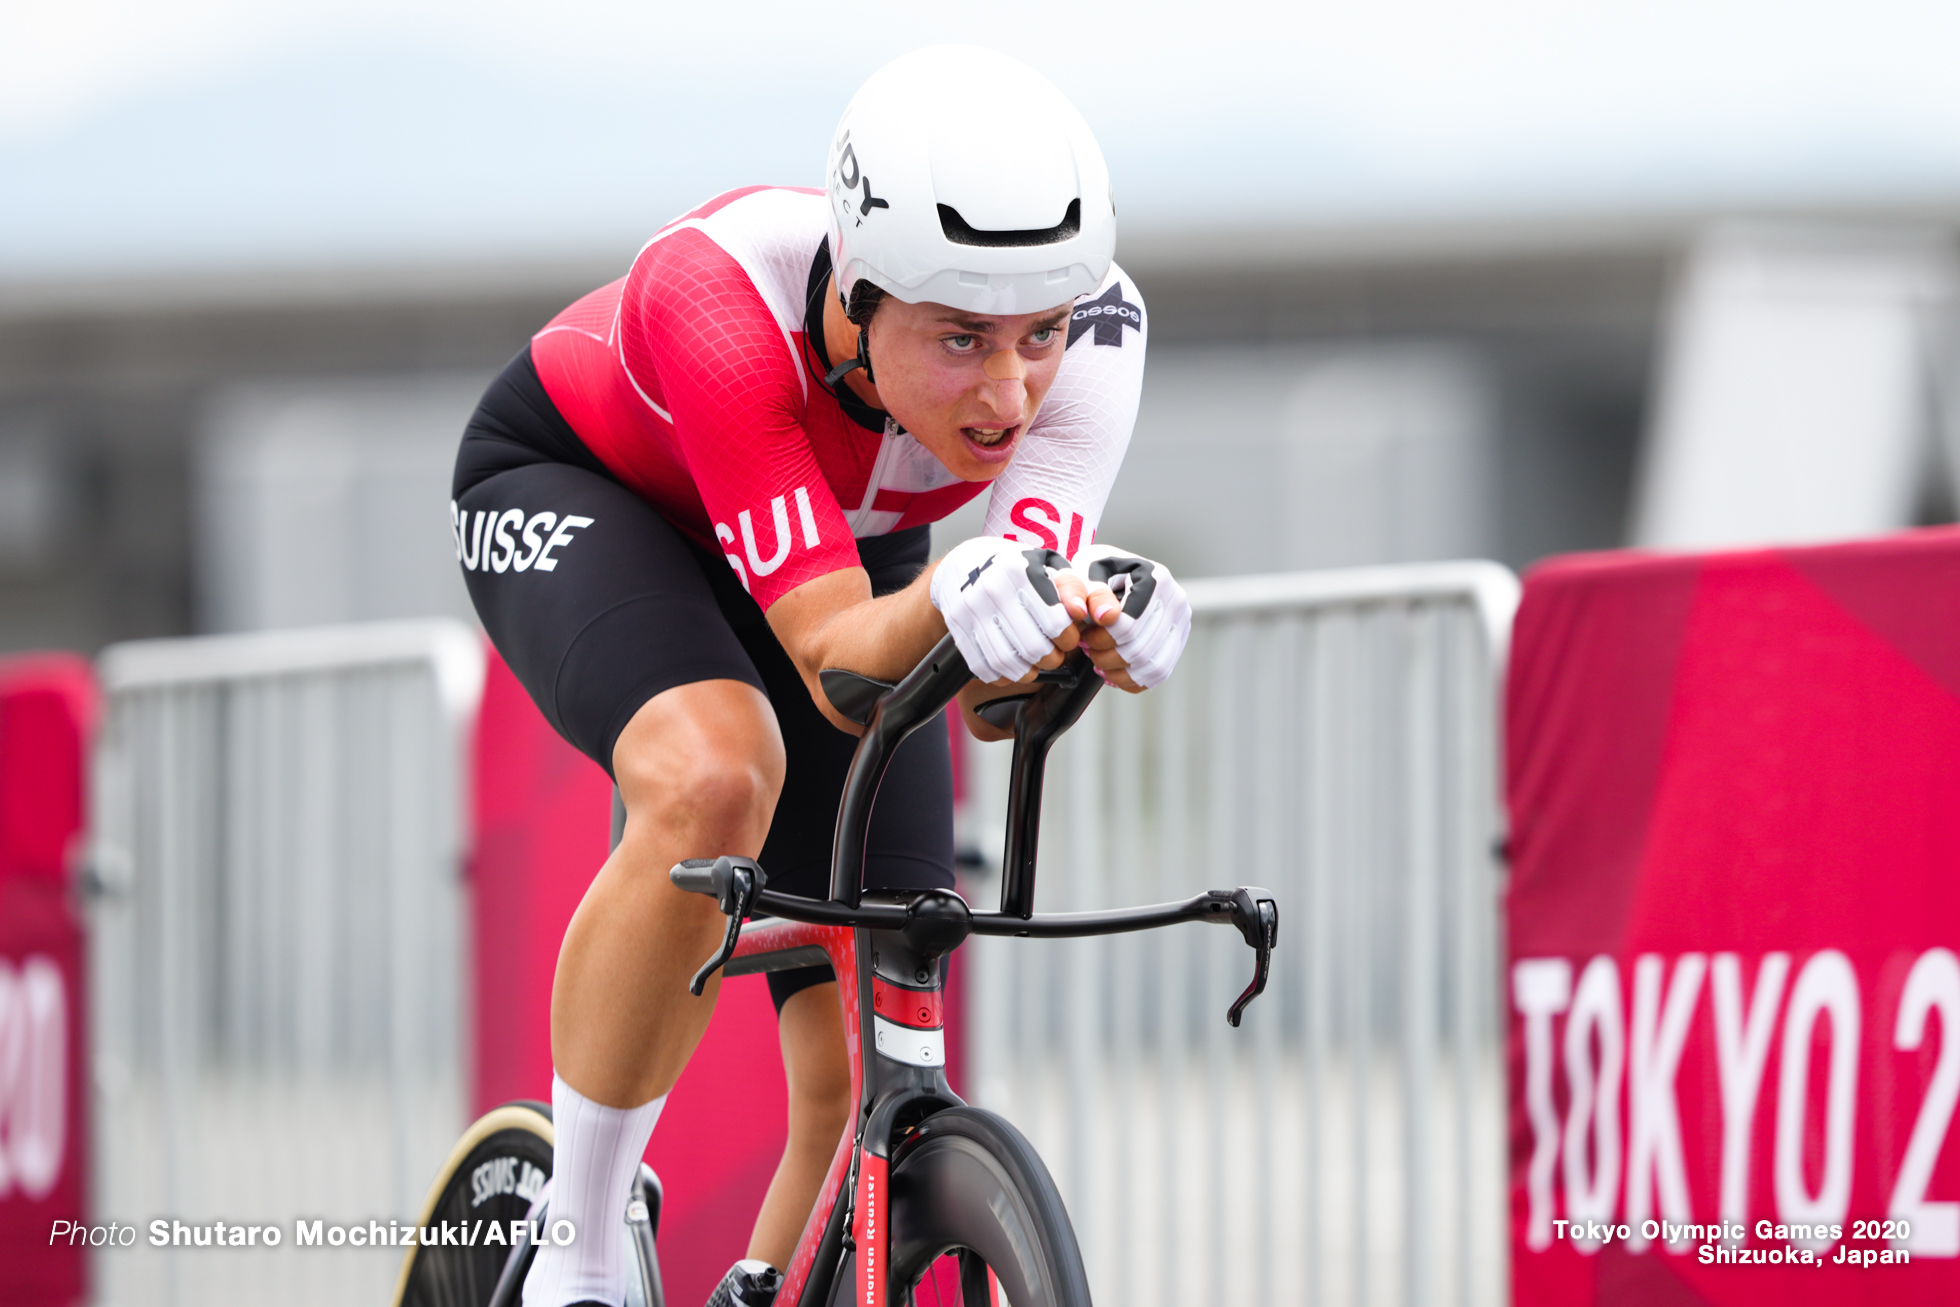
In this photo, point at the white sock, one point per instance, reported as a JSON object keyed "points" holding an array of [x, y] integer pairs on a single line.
{"points": [[594, 1157]]}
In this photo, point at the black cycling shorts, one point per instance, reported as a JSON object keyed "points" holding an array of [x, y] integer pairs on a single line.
{"points": [[597, 604]]}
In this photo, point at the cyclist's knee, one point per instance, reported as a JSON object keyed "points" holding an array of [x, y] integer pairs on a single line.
{"points": [[717, 792], [718, 789], [704, 758]]}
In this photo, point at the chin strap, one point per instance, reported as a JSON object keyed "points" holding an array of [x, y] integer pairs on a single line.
{"points": [[863, 360]]}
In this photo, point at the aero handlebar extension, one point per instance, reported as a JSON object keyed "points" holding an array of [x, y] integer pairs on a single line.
{"points": [[935, 921], [895, 713]]}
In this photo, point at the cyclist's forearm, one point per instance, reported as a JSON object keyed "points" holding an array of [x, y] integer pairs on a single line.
{"points": [[834, 622]]}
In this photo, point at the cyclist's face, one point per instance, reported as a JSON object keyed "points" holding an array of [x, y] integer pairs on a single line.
{"points": [[966, 385]]}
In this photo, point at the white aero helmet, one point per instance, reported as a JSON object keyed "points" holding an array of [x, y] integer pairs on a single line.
{"points": [[1002, 209]]}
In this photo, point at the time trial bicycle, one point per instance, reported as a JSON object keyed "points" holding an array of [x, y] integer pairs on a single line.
{"points": [[918, 1175]]}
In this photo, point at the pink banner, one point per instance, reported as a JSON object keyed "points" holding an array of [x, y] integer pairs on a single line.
{"points": [[1734, 914], [47, 712]]}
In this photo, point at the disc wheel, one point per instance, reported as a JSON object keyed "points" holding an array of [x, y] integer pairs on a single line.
{"points": [[492, 1175], [967, 1183]]}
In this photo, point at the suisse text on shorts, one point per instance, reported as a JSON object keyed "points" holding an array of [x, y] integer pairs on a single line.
{"points": [[166, 1233]]}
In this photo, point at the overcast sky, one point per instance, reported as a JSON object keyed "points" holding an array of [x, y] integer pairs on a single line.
{"points": [[196, 133]]}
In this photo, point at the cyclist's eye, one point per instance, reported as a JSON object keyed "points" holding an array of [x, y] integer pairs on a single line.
{"points": [[1043, 337], [960, 342]]}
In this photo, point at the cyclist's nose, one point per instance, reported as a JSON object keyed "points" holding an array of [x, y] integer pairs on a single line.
{"points": [[1008, 372], [1005, 365]]}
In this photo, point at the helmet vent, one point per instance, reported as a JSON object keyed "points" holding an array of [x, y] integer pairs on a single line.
{"points": [[960, 233]]}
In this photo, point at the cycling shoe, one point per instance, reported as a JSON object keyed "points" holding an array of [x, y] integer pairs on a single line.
{"points": [[749, 1283]]}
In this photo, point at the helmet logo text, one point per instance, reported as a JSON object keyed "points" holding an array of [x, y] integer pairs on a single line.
{"points": [[849, 177]]}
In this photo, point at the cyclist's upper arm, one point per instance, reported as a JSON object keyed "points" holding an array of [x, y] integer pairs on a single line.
{"points": [[1052, 495], [736, 401]]}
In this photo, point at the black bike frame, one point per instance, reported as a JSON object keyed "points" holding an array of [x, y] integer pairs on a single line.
{"points": [[892, 945]]}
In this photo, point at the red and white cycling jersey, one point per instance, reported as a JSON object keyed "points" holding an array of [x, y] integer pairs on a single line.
{"points": [[689, 378]]}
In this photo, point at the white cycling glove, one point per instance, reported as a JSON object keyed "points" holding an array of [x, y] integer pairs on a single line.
{"points": [[1000, 603], [1156, 618]]}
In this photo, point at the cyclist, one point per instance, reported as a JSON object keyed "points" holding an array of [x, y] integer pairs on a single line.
{"points": [[703, 484]]}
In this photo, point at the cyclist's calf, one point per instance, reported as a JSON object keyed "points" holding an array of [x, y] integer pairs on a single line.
{"points": [[818, 1078]]}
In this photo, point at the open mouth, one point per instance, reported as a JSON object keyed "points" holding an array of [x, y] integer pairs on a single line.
{"points": [[990, 442]]}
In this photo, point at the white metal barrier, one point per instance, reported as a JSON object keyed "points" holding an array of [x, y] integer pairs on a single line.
{"points": [[276, 949], [1333, 737]]}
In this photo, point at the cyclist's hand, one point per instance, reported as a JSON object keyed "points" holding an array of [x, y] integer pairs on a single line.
{"points": [[1089, 604], [1001, 606], [1138, 646]]}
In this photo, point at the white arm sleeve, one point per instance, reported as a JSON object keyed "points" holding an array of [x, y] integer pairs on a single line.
{"points": [[1052, 495]]}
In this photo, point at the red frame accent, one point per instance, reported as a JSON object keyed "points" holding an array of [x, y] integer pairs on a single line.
{"points": [[921, 1009], [840, 943], [873, 1174]]}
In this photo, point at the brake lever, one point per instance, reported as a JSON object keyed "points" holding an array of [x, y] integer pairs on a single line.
{"points": [[1256, 914], [735, 883]]}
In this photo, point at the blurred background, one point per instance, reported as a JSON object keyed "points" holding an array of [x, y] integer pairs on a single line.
{"points": [[1426, 279]]}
